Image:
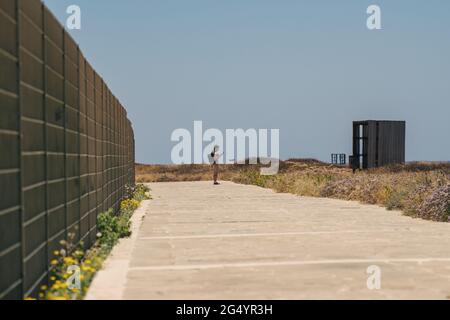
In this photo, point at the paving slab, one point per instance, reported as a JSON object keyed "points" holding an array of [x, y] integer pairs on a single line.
{"points": [[199, 241]]}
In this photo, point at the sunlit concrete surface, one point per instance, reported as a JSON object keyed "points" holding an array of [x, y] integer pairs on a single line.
{"points": [[199, 241]]}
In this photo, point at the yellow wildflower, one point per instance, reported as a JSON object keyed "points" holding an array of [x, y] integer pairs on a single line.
{"points": [[69, 261]]}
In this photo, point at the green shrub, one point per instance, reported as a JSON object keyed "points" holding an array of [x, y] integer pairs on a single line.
{"points": [[111, 227], [141, 192]]}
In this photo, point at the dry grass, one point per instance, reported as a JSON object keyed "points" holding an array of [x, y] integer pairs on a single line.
{"points": [[418, 189], [168, 173]]}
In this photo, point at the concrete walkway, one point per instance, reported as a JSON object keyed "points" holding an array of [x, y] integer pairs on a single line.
{"points": [[197, 241]]}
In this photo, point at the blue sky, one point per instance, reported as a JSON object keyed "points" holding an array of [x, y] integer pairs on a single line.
{"points": [[308, 68]]}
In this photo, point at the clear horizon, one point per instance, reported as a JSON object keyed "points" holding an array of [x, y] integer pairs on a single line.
{"points": [[306, 68]]}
